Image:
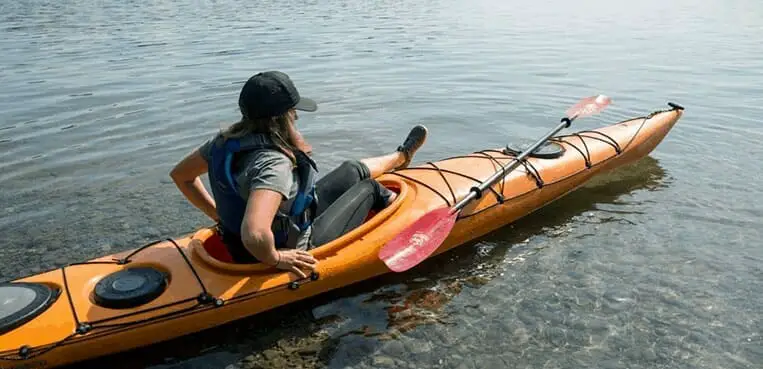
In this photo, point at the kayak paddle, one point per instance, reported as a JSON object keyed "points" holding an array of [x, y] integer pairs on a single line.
{"points": [[415, 243]]}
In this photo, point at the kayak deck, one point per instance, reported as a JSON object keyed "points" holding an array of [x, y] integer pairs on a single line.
{"points": [[203, 289]]}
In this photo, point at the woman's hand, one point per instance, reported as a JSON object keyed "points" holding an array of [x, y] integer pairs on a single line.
{"points": [[257, 235], [293, 260]]}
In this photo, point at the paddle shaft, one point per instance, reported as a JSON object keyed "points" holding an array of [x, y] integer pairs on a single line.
{"points": [[476, 192]]}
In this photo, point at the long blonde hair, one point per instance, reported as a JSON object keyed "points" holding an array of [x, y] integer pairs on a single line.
{"points": [[278, 128]]}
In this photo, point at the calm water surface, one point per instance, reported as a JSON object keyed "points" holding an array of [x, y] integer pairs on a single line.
{"points": [[655, 265]]}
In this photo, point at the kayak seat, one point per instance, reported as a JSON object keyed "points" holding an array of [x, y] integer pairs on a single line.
{"points": [[216, 248]]}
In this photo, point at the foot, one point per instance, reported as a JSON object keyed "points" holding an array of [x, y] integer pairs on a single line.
{"points": [[413, 142]]}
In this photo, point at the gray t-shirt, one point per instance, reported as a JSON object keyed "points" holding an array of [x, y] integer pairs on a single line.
{"points": [[266, 169]]}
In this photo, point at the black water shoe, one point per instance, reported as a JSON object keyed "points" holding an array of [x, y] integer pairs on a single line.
{"points": [[413, 142]]}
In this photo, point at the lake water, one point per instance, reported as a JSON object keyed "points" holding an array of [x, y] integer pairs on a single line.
{"points": [[656, 265]]}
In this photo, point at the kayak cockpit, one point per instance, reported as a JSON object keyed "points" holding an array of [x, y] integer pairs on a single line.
{"points": [[207, 244]]}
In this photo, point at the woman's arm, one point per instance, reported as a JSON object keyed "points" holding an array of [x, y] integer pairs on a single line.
{"points": [[257, 235], [186, 177]]}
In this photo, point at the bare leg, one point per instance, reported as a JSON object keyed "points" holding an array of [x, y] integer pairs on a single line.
{"points": [[401, 158], [380, 164]]}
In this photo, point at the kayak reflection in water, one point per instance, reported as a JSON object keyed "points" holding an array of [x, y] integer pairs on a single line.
{"points": [[260, 169]]}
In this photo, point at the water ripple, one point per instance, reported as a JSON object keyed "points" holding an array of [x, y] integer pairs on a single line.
{"points": [[654, 265]]}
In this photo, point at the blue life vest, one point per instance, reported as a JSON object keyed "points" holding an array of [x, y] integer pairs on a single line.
{"points": [[231, 205]]}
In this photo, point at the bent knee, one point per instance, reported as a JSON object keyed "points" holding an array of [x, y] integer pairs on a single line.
{"points": [[353, 169], [382, 196]]}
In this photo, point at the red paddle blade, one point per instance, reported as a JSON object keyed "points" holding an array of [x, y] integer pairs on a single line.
{"points": [[414, 244], [588, 106]]}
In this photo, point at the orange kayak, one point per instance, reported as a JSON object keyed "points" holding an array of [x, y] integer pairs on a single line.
{"points": [[175, 287]]}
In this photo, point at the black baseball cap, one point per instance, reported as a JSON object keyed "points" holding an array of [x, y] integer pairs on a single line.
{"points": [[271, 93]]}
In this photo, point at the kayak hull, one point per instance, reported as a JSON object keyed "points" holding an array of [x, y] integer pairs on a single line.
{"points": [[204, 291]]}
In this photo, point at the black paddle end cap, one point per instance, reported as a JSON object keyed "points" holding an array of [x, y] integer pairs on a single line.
{"points": [[675, 106]]}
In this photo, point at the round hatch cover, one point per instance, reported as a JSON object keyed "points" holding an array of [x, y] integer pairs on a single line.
{"points": [[548, 150], [21, 302], [130, 288]]}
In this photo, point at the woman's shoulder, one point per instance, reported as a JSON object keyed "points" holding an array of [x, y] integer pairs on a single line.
{"points": [[253, 158], [267, 169], [267, 158], [206, 147]]}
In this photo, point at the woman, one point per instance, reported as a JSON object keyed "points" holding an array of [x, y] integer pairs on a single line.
{"points": [[265, 196]]}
